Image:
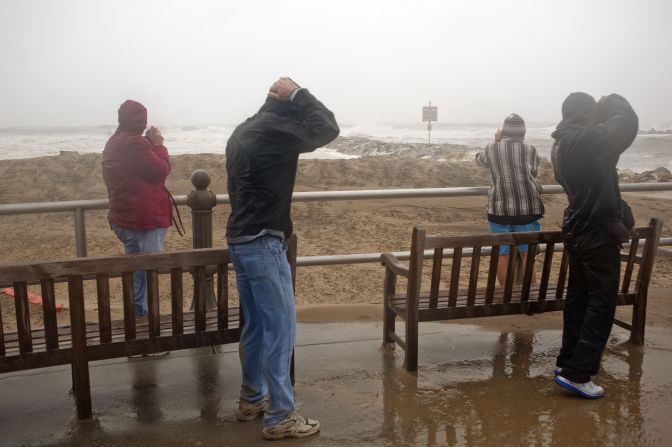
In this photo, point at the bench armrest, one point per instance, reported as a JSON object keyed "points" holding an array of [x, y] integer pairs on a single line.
{"points": [[392, 263]]}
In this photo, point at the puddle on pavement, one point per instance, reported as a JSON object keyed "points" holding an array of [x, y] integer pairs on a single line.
{"points": [[473, 388]]}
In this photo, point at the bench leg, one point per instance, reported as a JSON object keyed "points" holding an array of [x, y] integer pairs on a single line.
{"points": [[638, 320], [411, 358], [388, 314], [388, 324], [82, 388]]}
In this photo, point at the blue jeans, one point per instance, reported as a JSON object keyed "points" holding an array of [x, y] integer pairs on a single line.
{"points": [[500, 228], [264, 282], [140, 241]]}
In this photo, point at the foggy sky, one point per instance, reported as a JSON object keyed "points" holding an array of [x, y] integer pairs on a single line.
{"points": [[66, 63]]}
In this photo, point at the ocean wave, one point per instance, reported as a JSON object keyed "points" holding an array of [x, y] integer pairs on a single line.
{"points": [[452, 142]]}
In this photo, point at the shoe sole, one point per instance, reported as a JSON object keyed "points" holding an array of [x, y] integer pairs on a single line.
{"points": [[277, 437], [568, 386]]}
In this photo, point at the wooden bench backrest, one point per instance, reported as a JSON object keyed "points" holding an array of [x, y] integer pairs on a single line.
{"points": [[75, 271], [644, 239], [101, 269]]}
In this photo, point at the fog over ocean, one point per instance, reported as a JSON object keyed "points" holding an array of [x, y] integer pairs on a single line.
{"points": [[647, 152]]}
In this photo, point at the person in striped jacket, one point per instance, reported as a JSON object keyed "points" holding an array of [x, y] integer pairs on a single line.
{"points": [[514, 203]]}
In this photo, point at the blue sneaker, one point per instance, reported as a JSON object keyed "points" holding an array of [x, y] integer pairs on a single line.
{"points": [[589, 390], [557, 370]]}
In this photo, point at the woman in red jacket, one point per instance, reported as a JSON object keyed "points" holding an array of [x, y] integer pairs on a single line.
{"points": [[135, 170]]}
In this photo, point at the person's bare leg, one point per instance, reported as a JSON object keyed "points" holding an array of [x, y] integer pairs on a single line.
{"points": [[502, 267], [534, 274]]}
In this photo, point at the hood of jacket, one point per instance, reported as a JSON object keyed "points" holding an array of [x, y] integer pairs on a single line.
{"points": [[132, 117]]}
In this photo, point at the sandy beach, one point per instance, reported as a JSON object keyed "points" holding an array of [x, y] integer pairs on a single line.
{"points": [[323, 227]]}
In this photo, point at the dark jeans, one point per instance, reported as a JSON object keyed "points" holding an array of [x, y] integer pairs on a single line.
{"points": [[589, 311]]}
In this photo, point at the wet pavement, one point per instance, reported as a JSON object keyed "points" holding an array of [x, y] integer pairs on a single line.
{"points": [[474, 387]]}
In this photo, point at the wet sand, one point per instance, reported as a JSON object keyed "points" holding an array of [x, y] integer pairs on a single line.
{"points": [[481, 382], [322, 227]]}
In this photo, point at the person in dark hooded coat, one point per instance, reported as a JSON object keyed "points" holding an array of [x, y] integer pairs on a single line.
{"points": [[588, 143], [261, 162], [135, 168]]}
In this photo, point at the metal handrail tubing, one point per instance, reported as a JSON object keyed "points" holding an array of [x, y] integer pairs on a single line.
{"points": [[364, 258], [312, 196], [369, 258]]}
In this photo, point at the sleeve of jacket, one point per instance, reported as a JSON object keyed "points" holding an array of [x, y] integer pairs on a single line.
{"points": [[536, 161], [619, 128], [317, 126], [147, 161]]}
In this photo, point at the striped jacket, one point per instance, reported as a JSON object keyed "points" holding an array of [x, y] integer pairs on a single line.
{"points": [[513, 168]]}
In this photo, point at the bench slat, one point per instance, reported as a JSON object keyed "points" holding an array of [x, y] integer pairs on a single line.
{"points": [[562, 276], [118, 334], [492, 274], [112, 265], [199, 297], [529, 271], [177, 300], [104, 309], [22, 316], [223, 296], [129, 304], [629, 267], [455, 274], [436, 275], [546, 271], [510, 273], [473, 274], [49, 313], [153, 302]]}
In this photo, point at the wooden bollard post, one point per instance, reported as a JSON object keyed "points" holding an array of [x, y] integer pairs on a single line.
{"points": [[201, 201]]}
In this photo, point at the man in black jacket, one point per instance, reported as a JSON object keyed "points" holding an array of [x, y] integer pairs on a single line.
{"points": [[261, 161], [588, 143]]}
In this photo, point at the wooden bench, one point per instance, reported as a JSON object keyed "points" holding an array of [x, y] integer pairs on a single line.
{"points": [[478, 296], [84, 340]]}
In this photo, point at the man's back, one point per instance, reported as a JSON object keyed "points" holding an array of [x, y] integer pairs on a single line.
{"points": [[584, 158], [261, 161]]}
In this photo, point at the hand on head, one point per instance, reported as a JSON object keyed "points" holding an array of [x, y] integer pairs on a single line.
{"points": [[282, 88]]}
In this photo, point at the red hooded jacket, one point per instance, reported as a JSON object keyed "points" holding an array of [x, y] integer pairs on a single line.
{"points": [[135, 172]]}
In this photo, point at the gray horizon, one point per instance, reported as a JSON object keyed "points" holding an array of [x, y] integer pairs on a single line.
{"points": [[71, 63]]}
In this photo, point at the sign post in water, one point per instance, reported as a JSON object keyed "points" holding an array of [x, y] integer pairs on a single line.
{"points": [[429, 114]]}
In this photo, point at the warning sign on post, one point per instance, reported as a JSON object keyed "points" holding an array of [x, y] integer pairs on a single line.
{"points": [[429, 113]]}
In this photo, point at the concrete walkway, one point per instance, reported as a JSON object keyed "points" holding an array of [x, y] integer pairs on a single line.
{"points": [[475, 387]]}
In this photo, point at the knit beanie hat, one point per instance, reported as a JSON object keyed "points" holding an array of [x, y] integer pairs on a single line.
{"points": [[514, 127]]}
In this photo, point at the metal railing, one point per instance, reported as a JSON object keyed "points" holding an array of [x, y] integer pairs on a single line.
{"points": [[79, 208]]}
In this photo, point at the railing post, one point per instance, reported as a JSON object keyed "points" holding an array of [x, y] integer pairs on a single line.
{"points": [[201, 201], [80, 232]]}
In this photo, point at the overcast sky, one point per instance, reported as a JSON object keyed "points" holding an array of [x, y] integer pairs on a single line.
{"points": [[72, 62]]}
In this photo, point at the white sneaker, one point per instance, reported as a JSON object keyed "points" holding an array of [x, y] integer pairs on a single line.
{"points": [[293, 426], [248, 411], [589, 390]]}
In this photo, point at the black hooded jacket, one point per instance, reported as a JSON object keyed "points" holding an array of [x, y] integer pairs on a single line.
{"points": [[585, 155], [261, 160]]}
